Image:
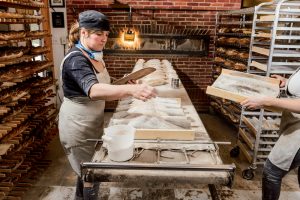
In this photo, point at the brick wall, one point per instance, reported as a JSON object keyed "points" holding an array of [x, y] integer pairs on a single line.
{"points": [[195, 72]]}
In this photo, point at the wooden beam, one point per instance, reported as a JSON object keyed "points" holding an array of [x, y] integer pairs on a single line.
{"points": [[166, 134], [46, 27]]}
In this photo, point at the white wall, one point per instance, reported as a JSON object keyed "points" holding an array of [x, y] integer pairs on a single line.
{"points": [[58, 48], [57, 34]]}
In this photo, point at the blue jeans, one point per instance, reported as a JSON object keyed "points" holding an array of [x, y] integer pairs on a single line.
{"points": [[79, 189], [91, 193], [86, 193], [272, 177]]}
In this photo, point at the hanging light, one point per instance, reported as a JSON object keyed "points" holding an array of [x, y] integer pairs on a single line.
{"points": [[129, 35]]}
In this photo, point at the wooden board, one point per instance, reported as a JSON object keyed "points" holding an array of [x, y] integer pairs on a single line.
{"points": [[259, 65], [4, 148], [249, 139], [250, 126], [134, 75], [266, 18], [264, 35], [260, 50], [248, 154], [237, 86], [146, 134]]}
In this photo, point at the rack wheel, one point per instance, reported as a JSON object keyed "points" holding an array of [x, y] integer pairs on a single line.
{"points": [[248, 174], [235, 152]]}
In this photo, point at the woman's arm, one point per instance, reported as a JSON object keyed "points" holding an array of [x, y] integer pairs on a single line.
{"points": [[292, 105], [113, 92]]}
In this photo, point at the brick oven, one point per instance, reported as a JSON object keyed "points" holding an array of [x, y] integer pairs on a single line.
{"points": [[194, 68]]}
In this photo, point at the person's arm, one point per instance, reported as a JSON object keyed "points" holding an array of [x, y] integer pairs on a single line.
{"points": [[292, 105], [114, 92], [82, 73]]}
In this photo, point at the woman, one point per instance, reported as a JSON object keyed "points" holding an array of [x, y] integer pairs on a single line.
{"points": [[86, 86], [285, 155]]}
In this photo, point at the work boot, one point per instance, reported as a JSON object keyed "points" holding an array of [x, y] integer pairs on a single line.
{"points": [[91, 193], [79, 189]]}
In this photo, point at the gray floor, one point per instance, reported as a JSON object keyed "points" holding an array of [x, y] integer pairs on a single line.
{"points": [[57, 181]]}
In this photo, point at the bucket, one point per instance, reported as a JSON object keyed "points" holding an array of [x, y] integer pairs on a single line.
{"points": [[119, 140]]}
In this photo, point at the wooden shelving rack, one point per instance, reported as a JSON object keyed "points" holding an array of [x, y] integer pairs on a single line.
{"points": [[27, 97], [233, 31]]}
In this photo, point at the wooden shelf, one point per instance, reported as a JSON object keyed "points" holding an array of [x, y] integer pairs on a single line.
{"points": [[19, 21], [21, 4], [30, 38], [25, 58], [27, 119], [248, 138], [276, 53], [248, 154]]}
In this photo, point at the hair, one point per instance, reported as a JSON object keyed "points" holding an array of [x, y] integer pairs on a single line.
{"points": [[74, 34]]}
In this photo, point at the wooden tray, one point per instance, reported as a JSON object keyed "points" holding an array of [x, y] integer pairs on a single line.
{"points": [[237, 86]]}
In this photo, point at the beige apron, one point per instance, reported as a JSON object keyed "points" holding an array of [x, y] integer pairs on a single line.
{"points": [[81, 118], [288, 144]]}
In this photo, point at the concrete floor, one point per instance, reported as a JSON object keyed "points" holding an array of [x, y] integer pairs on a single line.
{"points": [[58, 180]]}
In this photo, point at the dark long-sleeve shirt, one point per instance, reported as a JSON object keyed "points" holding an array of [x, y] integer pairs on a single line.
{"points": [[78, 75]]}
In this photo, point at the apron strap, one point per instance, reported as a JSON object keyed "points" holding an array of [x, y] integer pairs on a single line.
{"points": [[98, 66]]}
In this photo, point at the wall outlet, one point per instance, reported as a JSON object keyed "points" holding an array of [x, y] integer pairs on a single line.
{"points": [[63, 40], [55, 40]]}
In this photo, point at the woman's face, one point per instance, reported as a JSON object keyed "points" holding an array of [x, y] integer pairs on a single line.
{"points": [[95, 41]]}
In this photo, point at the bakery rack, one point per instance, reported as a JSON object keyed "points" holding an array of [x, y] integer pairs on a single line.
{"points": [[233, 31], [274, 49], [27, 92], [275, 38]]}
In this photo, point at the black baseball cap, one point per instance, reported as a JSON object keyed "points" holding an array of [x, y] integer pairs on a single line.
{"points": [[92, 19]]}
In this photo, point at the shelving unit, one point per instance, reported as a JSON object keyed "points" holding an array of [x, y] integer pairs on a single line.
{"points": [[274, 49], [27, 91], [233, 32], [257, 134], [275, 39]]}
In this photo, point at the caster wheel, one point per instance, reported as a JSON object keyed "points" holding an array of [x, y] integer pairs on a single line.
{"points": [[235, 152], [248, 174]]}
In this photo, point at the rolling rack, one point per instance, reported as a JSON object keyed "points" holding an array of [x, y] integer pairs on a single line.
{"points": [[233, 31], [27, 91], [274, 49]]}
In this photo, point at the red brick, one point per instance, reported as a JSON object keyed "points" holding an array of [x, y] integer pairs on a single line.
{"points": [[195, 72]]}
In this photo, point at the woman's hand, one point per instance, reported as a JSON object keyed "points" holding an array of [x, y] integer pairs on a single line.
{"points": [[143, 92], [253, 103], [281, 79]]}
